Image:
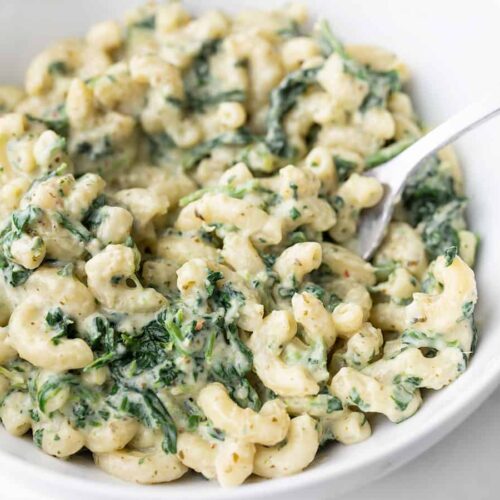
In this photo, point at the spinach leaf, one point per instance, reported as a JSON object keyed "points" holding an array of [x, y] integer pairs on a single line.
{"points": [[328, 43], [160, 145], [57, 120], [81, 402], [145, 406], [343, 167], [450, 254], [431, 201], [145, 349], [74, 227], [195, 415], [329, 299], [61, 324], [38, 438], [101, 148], [198, 103], [20, 221], [14, 274], [420, 339], [211, 281], [380, 83], [216, 433], [291, 31], [82, 413], [440, 231], [15, 378], [201, 62], [294, 213], [239, 387], [287, 292], [168, 374], [59, 68], [48, 390], [163, 419], [149, 349], [333, 404], [283, 98], [244, 358], [227, 297], [173, 323], [147, 23], [384, 269], [388, 152], [93, 216], [427, 190], [468, 309], [193, 156], [355, 399], [404, 390], [292, 239], [104, 339], [198, 94]]}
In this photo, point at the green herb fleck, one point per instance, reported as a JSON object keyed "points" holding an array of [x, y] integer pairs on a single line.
{"points": [[38, 438], [59, 68], [294, 213], [355, 398], [450, 254]]}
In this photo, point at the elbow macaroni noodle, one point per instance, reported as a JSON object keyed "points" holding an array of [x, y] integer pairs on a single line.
{"points": [[179, 286]]}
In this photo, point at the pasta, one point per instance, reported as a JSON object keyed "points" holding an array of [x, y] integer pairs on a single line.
{"points": [[179, 283]]}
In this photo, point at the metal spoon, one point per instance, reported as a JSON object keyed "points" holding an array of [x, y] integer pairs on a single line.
{"points": [[394, 173]]}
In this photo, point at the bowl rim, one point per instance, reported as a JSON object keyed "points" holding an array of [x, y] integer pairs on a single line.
{"points": [[461, 407], [412, 443]]}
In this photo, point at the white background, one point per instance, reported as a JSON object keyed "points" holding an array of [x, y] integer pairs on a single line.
{"points": [[464, 466]]}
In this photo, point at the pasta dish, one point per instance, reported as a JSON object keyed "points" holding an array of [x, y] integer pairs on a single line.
{"points": [[179, 282]]}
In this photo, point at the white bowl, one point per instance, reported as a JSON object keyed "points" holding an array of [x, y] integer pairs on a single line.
{"points": [[452, 51]]}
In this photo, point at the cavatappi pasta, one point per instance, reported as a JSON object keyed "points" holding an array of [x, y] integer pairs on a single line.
{"points": [[179, 287]]}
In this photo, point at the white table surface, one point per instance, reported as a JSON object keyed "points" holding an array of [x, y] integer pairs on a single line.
{"points": [[464, 466]]}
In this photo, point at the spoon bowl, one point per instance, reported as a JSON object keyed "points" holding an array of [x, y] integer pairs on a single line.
{"points": [[394, 173]]}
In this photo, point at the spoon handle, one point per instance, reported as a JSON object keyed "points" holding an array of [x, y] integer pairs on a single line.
{"points": [[447, 132]]}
